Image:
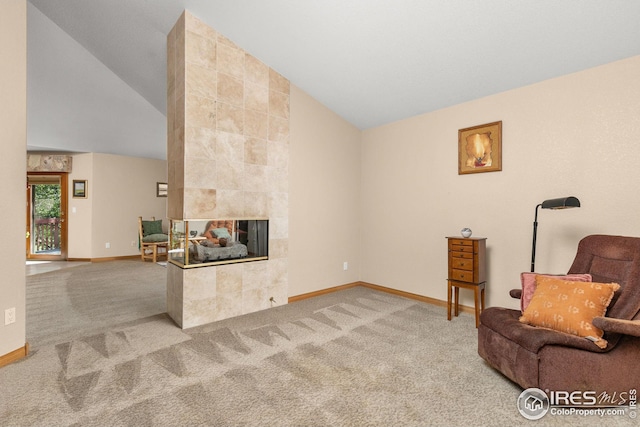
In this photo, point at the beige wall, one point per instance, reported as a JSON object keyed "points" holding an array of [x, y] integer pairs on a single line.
{"points": [[119, 189], [13, 122], [574, 135], [324, 194], [80, 211]]}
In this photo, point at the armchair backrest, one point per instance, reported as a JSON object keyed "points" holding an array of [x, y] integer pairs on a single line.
{"points": [[141, 228], [613, 259]]}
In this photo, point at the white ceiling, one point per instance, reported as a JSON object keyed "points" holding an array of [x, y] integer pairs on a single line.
{"points": [[96, 68]]}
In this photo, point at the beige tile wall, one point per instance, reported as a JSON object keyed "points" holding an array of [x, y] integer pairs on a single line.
{"points": [[228, 157]]}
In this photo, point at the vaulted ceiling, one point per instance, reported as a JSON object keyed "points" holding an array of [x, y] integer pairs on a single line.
{"points": [[97, 77]]}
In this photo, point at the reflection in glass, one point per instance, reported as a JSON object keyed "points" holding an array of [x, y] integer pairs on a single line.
{"points": [[212, 242]]}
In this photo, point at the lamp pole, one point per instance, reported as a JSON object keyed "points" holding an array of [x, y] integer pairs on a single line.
{"points": [[535, 232]]}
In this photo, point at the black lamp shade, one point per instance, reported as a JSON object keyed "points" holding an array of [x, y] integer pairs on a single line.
{"points": [[561, 203]]}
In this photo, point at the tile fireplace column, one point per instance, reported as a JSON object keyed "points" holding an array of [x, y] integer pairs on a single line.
{"points": [[228, 158]]}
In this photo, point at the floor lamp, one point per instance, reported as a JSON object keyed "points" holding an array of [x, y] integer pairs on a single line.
{"points": [[561, 203]]}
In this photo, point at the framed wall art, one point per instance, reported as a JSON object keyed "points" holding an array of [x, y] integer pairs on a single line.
{"points": [[480, 148], [162, 189], [79, 189]]}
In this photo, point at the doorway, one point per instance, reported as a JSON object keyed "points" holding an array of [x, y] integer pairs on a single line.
{"points": [[46, 234]]}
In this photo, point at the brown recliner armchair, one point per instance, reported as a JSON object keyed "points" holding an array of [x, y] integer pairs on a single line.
{"points": [[550, 360]]}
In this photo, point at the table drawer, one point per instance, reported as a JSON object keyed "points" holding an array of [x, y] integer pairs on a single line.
{"points": [[461, 242], [465, 255], [462, 275], [460, 248], [462, 263]]}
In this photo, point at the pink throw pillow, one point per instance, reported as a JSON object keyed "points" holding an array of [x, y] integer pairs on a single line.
{"points": [[529, 284]]}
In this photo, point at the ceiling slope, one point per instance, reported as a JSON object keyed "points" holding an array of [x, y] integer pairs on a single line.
{"points": [[371, 61]]}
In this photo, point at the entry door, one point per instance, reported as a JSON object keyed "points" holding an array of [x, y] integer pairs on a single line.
{"points": [[46, 233]]}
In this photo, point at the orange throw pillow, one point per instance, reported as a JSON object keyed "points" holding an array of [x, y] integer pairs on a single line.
{"points": [[569, 306], [528, 281]]}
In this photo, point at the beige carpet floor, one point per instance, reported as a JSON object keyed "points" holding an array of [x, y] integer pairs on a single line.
{"points": [[75, 302], [357, 357]]}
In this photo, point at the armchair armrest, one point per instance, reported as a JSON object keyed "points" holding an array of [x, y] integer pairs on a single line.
{"points": [[515, 293], [609, 324]]}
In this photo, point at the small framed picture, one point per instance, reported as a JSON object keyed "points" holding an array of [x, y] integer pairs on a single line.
{"points": [[480, 148], [161, 189], [79, 189]]}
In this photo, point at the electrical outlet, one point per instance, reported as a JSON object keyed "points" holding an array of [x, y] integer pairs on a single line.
{"points": [[10, 316], [133, 243], [107, 245], [345, 266]]}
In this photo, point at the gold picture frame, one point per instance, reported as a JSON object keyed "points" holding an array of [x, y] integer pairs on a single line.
{"points": [[480, 148], [79, 189]]}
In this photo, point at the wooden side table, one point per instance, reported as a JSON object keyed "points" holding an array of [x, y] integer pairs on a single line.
{"points": [[467, 269]]}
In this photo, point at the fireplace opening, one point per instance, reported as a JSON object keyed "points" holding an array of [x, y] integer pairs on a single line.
{"points": [[201, 243]]}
